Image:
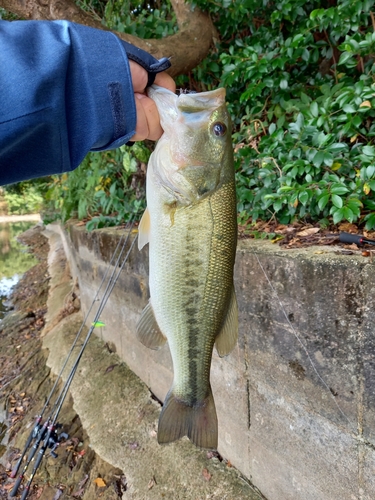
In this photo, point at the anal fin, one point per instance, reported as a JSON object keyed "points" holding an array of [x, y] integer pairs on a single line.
{"points": [[227, 338], [148, 331]]}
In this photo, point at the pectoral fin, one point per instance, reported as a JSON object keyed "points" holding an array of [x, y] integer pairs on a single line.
{"points": [[144, 230], [227, 338], [148, 331]]}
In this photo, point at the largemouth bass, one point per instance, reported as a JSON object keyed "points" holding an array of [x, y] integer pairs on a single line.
{"points": [[191, 227]]}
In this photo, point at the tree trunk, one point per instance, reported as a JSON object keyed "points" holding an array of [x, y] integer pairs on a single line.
{"points": [[186, 48]]}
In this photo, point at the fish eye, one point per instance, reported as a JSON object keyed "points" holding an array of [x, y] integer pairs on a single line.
{"points": [[219, 129]]}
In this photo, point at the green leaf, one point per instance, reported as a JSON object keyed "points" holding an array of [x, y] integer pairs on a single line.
{"points": [[339, 189], [349, 108], [354, 208], [348, 214], [323, 200], [368, 150], [318, 159], [338, 215], [345, 57], [314, 109], [370, 221], [303, 197], [370, 170], [283, 84], [337, 147], [305, 98], [337, 201], [328, 159]]}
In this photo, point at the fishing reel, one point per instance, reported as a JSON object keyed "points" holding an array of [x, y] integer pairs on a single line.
{"points": [[55, 439]]}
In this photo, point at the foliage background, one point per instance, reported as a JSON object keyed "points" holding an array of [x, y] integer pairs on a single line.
{"points": [[301, 92]]}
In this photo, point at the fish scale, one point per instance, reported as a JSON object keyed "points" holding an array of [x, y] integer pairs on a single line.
{"points": [[192, 232]]}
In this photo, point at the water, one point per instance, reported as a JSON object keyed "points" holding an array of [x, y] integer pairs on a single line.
{"points": [[14, 259]]}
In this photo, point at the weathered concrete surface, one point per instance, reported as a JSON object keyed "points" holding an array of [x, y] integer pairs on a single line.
{"points": [[296, 398], [120, 416]]}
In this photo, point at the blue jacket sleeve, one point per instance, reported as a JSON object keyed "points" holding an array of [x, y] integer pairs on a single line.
{"points": [[65, 89]]}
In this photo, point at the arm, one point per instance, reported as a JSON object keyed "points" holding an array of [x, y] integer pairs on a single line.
{"points": [[65, 89]]}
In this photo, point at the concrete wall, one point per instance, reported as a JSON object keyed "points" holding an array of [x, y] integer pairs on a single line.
{"points": [[296, 398]]}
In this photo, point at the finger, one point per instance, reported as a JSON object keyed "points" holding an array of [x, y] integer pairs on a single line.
{"points": [[148, 121], [139, 76], [164, 80]]}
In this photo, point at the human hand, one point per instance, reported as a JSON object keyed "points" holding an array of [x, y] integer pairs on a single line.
{"points": [[148, 120]]}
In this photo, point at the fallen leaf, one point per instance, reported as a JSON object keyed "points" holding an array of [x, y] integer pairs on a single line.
{"points": [[277, 238], [309, 231], [100, 482], [83, 481], [39, 493], [58, 494], [348, 227], [79, 493], [81, 489], [120, 485], [365, 253], [151, 483], [207, 476], [110, 368]]}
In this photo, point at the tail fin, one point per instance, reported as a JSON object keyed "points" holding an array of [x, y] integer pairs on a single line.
{"points": [[198, 422]]}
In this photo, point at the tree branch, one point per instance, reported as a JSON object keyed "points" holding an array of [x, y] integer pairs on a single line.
{"points": [[187, 48]]}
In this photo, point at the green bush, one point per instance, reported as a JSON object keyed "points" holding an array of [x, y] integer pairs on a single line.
{"points": [[300, 81], [301, 92], [107, 188], [27, 201]]}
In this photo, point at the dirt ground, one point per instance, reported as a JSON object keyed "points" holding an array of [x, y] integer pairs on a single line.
{"points": [[25, 384]]}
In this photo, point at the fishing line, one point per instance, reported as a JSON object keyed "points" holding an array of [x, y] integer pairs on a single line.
{"points": [[50, 424], [297, 336], [38, 427], [107, 293]]}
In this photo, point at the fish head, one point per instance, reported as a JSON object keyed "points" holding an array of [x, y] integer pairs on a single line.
{"points": [[194, 156]]}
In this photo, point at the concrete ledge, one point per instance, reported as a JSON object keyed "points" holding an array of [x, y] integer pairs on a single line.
{"points": [[120, 416], [296, 398]]}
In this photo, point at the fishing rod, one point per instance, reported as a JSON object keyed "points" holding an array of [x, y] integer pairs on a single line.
{"points": [[48, 431], [38, 422], [358, 239], [51, 439]]}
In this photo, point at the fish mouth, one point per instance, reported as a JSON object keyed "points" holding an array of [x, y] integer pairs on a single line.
{"points": [[202, 101], [172, 104]]}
